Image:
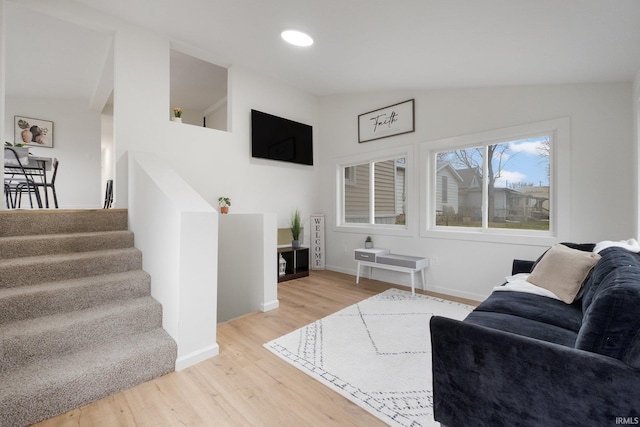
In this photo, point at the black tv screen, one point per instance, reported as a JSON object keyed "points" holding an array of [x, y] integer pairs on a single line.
{"points": [[281, 139]]}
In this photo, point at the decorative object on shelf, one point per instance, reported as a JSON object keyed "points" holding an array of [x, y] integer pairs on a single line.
{"points": [[35, 132], [224, 203], [177, 114], [368, 243], [296, 229], [389, 121], [282, 263], [21, 150]]}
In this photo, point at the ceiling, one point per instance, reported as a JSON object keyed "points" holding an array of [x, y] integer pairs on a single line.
{"points": [[360, 45]]}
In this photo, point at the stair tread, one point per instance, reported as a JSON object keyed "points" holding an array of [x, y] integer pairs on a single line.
{"points": [[28, 271], [42, 390], [12, 247], [78, 282], [61, 321], [30, 237], [96, 356], [30, 222], [26, 261]]}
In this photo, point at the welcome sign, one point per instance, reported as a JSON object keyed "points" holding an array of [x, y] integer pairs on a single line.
{"points": [[317, 242]]}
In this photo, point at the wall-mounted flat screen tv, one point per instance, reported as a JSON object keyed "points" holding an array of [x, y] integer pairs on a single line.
{"points": [[281, 139]]}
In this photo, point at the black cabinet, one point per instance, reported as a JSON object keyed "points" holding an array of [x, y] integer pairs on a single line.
{"points": [[297, 263]]}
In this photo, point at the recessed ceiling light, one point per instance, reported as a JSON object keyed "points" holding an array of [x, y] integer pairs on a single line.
{"points": [[297, 38]]}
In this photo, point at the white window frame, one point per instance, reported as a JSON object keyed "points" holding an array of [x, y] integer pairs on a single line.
{"points": [[407, 229], [559, 184]]}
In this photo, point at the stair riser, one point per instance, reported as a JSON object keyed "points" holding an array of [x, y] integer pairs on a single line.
{"points": [[26, 223], [58, 338], [77, 294], [27, 246], [48, 269]]}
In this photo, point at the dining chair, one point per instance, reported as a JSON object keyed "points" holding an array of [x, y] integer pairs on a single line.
{"points": [[17, 181], [108, 196], [46, 185]]}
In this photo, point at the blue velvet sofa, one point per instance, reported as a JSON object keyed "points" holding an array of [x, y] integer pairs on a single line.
{"points": [[521, 359]]}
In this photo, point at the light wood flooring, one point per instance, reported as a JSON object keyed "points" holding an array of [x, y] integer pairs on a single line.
{"points": [[246, 385]]}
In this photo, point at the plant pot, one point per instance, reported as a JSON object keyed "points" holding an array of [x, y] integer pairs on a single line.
{"points": [[224, 209], [176, 119], [23, 156], [296, 244], [368, 245]]}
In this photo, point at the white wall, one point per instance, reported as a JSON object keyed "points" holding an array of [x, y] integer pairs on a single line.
{"points": [[2, 84], [247, 274], [636, 130], [177, 231], [76, 144], [219, 163], [603, 170]]}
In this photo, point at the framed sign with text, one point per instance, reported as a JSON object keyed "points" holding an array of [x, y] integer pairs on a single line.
{"points": [[389, 121]]}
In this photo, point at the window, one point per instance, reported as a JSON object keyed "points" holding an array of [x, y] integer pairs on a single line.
{"points": [[374, 193], [516, 190], [509, 182]]}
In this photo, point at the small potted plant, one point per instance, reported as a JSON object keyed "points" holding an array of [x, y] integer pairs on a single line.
{"points": [[177, 114], [368, 243], [224, 203], [22, 151], [296, 229]]}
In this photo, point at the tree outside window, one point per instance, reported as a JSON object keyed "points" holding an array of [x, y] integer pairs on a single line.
{"points": [[516, 191]]}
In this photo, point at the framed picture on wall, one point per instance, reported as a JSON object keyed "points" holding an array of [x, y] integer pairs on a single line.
{"points": [[389, 121], [33, 132]]}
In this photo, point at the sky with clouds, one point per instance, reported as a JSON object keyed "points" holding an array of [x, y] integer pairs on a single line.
{"points": [[523, 162]]}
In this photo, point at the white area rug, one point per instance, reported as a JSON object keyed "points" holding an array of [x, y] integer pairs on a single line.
{"points": [[376, 353]]}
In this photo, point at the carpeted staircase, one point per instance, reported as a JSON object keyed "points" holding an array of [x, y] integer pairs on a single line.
{"points": [[77, 321]]}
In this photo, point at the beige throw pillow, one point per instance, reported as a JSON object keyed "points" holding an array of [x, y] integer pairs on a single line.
{"points": [[562, 270]]}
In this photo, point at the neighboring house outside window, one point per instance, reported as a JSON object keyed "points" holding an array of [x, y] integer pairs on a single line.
{"points": [[373, 193], [507, 184]]}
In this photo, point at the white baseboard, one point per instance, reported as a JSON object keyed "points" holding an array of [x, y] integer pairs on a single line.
{"points": [[267, 306], [197, 357]]}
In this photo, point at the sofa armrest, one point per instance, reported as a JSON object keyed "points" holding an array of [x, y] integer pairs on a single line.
{"points": [[521, 266], [487, 377]]}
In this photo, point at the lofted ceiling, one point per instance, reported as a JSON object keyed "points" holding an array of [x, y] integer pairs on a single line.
{"points": [[360, 45]]}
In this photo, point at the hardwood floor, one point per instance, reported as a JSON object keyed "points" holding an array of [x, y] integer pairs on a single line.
{"points": [[246, 385]]}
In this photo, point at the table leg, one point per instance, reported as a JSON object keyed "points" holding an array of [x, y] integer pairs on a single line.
{"points": [[413, 289], [43, 166], [358, 274]]}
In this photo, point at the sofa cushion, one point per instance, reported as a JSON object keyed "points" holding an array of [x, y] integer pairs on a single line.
{"points": [[586, 247], [535, 307], [562, 270], [612, 258], [611, 322], [522, 326]]}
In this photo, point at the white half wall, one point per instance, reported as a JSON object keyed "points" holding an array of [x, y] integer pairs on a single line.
{"points": [[248, 274], [177, 231]]}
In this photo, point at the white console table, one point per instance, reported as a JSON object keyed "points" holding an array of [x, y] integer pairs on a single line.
{"points": [[381, 258]]}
